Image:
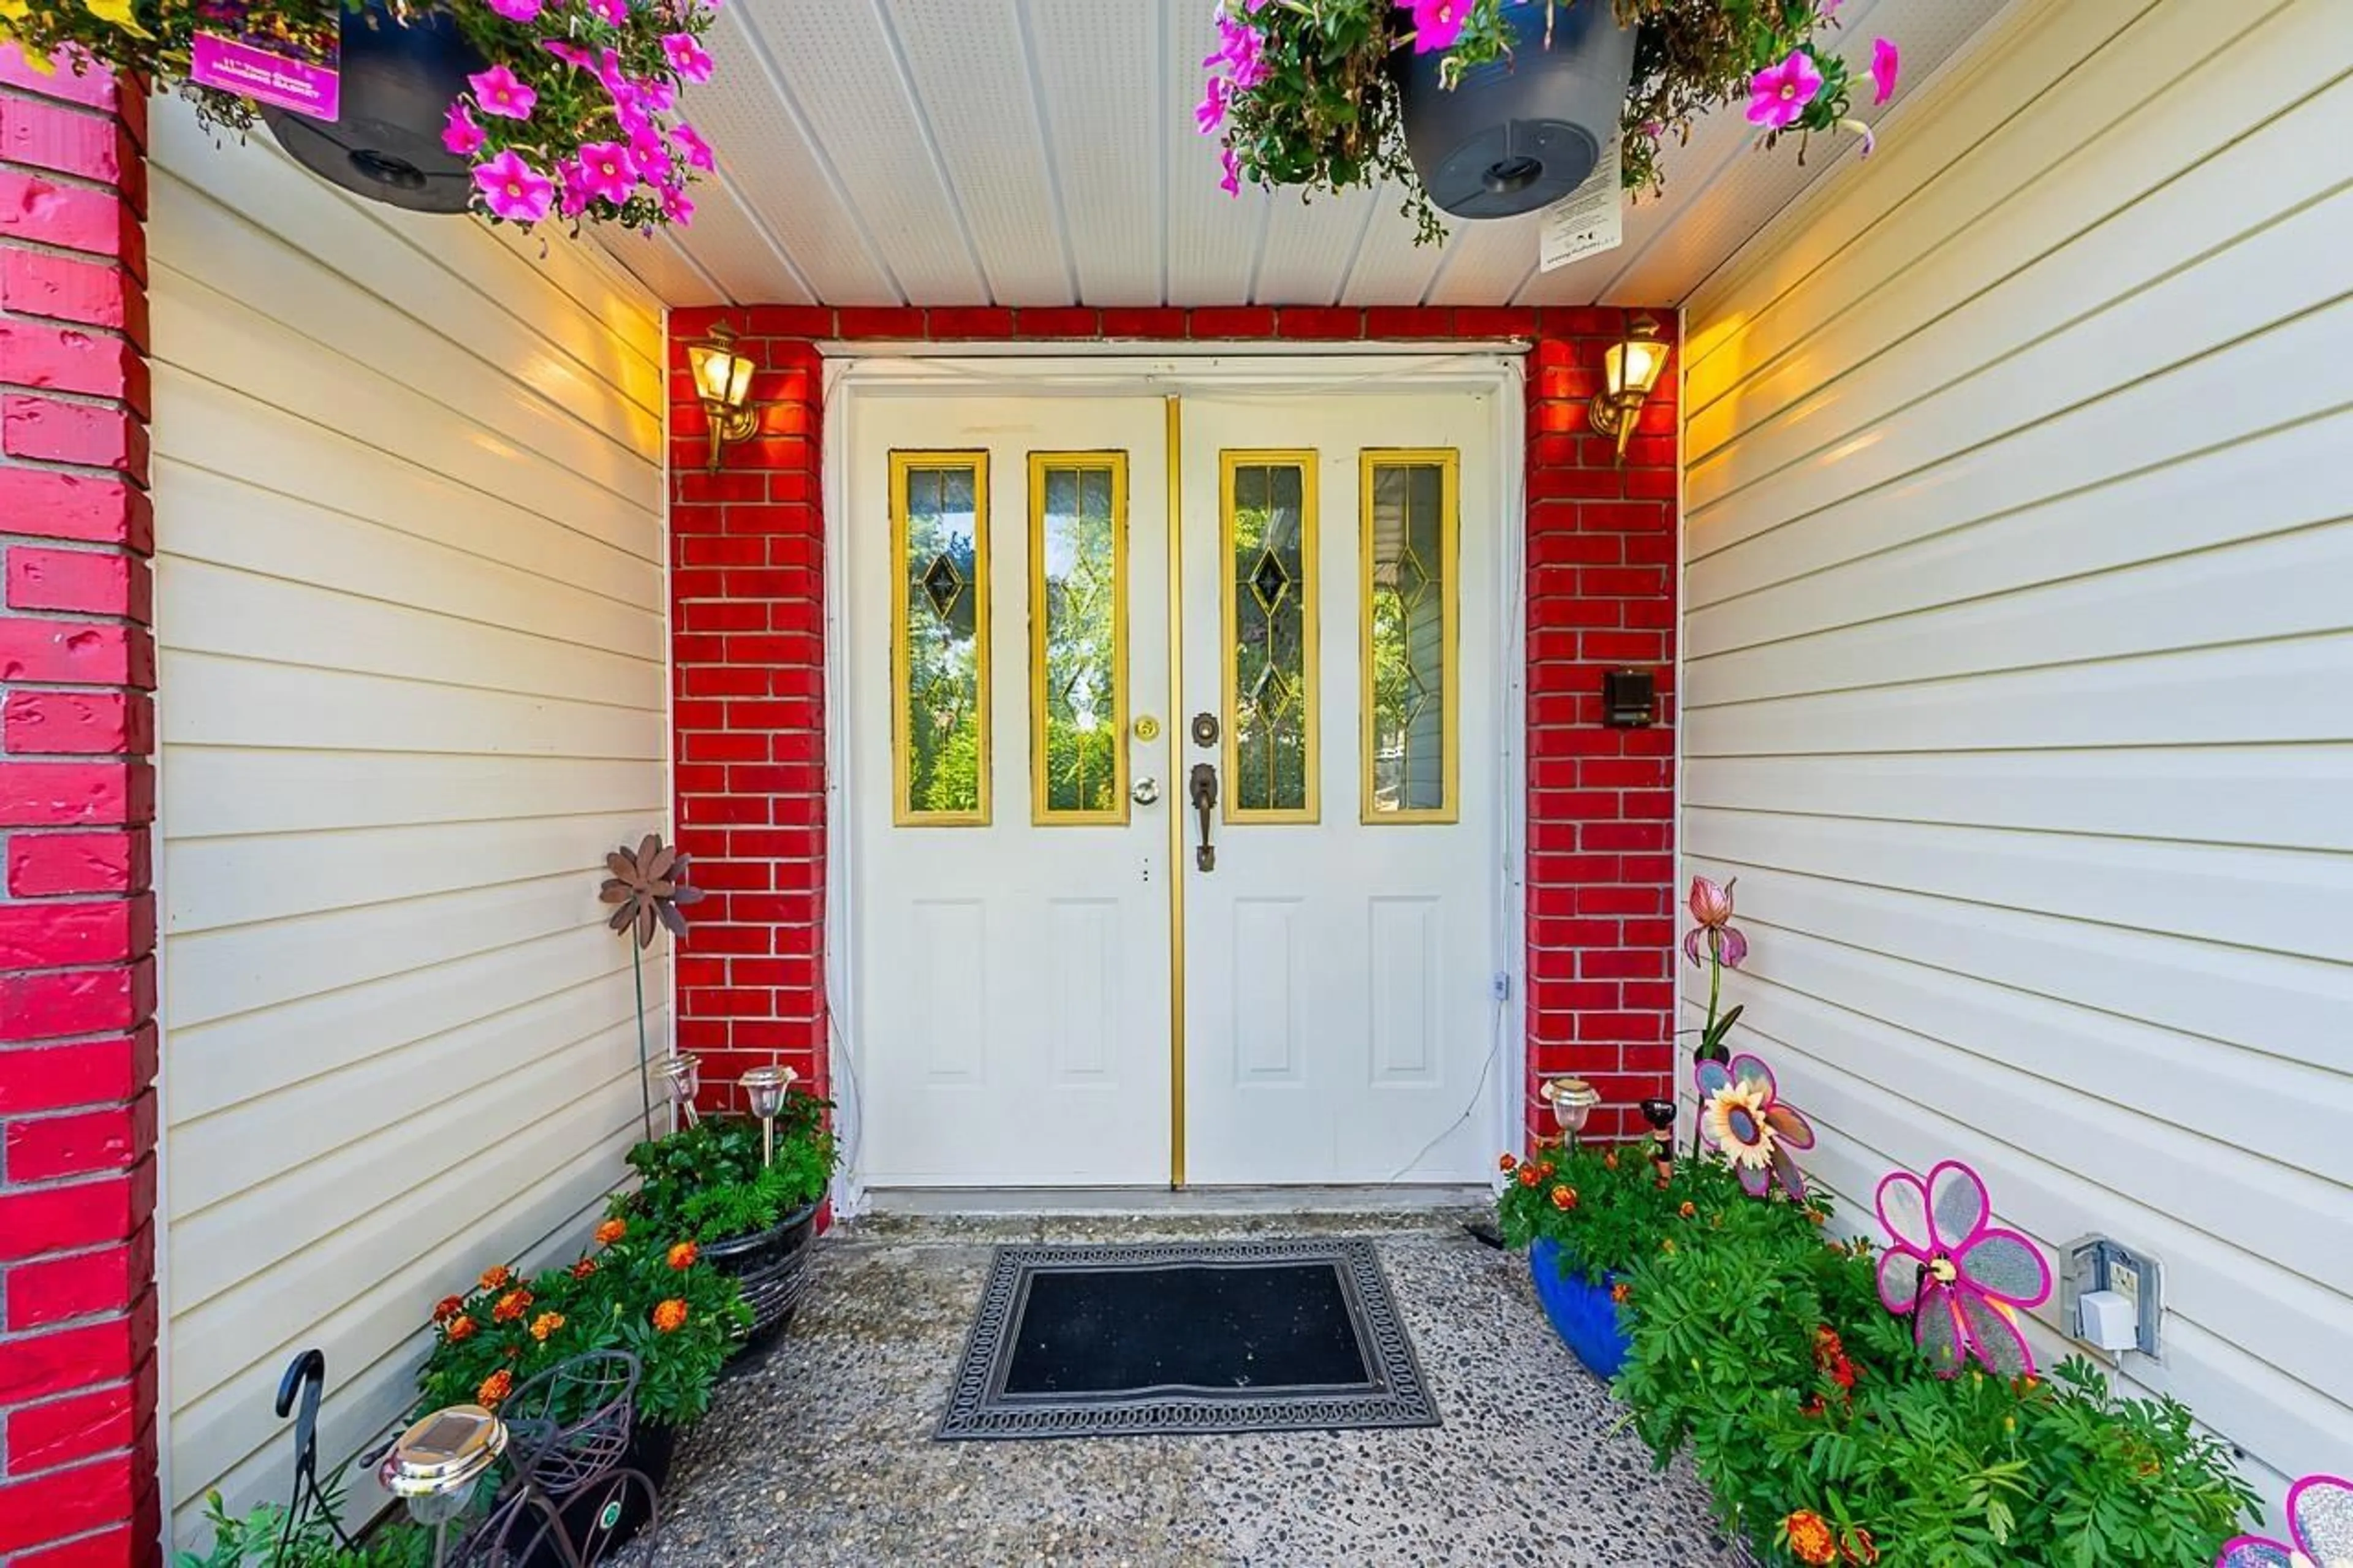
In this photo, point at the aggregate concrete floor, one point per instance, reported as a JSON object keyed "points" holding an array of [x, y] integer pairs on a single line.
{"points": [[822, 1453]]}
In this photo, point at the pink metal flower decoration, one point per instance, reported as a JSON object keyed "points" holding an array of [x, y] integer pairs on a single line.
{"points": [[1436, 22], [499, 92], [1741, 1111], [1961, 1278], [2319, 1517], [1886, 60], [512, 189], [1779, 94], [1711, 906]]}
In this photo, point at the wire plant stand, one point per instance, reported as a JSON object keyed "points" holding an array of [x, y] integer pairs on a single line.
{"points": [[571, 1496]]}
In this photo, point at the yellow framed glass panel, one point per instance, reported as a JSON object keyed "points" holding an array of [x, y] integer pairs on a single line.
{"points": [[939, 639], [1267, 576], [1408, 600], [1078, 637]]}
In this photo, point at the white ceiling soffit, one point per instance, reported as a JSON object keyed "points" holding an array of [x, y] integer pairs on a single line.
{"points": [[1043, 152]]}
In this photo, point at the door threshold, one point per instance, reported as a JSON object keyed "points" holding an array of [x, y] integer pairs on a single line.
{"points": [[920, 1202]]}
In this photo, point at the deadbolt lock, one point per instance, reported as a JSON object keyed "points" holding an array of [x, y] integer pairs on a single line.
{"points": [[1205, 729]]}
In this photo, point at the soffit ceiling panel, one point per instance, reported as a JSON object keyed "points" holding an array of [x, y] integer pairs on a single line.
{"points": [[1043, 152]]}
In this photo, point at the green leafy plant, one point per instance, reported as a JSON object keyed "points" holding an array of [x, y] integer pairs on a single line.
{"points": [[1302, 94], [642, 1292], [260, 1538], [1618, 1213], [707, 1182]]}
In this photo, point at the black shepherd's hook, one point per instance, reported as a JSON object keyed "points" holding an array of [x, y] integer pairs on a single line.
{"points": [[305, 1380]]}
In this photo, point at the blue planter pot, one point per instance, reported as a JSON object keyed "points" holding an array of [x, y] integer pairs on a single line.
{"points": [[1582, 1314]]}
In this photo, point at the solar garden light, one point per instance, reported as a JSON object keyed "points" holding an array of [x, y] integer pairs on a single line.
{"points": [[433, 1465], [682, 1078], [1572, 1100], [764, 1088]]}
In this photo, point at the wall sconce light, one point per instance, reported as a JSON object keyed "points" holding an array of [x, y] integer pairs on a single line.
{"points": [[1630, 368], [722, 380]]}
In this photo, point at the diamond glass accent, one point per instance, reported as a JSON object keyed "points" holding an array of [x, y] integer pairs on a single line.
{"points": [[1409, 635], [940, 536], [1078, 620], [1269, 690]]}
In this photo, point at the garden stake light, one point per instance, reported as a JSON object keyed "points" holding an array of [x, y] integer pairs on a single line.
{"points": [[649, 889], [764, 1089], [433, 1465]]}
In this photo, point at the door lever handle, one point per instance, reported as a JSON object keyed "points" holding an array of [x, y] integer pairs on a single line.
{"points": [[1146, 791], [1204, 790]]}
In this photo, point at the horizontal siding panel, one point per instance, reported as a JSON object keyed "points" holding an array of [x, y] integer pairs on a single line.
{"points": [[613, 551], [2015, 691], [2070, 236], [411, 689], [2286, 798], [237, 615], [222, 792]]}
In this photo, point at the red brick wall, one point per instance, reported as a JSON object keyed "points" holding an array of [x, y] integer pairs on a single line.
{"points": [[77, 919], [748, 599]]}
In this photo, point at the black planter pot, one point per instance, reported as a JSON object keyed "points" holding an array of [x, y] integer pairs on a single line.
{"points": [[398, 82], [772, 1268], [1526, 130]]}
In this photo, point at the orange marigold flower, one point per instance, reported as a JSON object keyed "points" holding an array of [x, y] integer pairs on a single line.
{"points": [[511, 1306], [1564, 1197], [461, 1327], [1609, 1161], [1621, 1292], [1544, 1170], [1818, 1216], [1809, 1537], [670, 1316], [494, 1389], [611, 1231], [585, 1267], [1688, 1209], [546, 1324], [498, 1277], [1528, 1177], [683, 1254], [446, 1308], [1506, 1163], [1860, 1547]]}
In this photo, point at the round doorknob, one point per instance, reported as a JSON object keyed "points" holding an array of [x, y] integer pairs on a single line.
{"points": [[1146, 791]]}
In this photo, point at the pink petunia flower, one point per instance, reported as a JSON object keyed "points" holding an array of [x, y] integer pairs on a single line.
{"points": [[572, 55], [687, 57], [1962, 1279], [1885, 61], [1741, 1112], [1232, 183], [654, 95], [1210, 113], [1436, 22], [1779, 94], [512, 189], [607, 171], [1238, 54], [499, 92], [459, 132], [649, 151], [517, 10], [2320, 1520], [676, 206], [612, 13], [571, 182], [697, 150]]}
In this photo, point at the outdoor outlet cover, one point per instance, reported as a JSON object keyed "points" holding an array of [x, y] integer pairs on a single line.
{"points": [[2131, 1285]]}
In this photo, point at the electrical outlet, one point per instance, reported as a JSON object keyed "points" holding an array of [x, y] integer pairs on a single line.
{"points": [[2124, 1279], [1502, 986]]}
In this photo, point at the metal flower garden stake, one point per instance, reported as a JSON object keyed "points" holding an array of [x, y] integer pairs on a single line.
{"points": [[1962, 1279], [2319, 1518], [649, 889], [1713, 940]]}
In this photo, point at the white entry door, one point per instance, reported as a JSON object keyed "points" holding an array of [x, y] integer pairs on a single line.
{"points": [[1027, 866], [1340, 605]]}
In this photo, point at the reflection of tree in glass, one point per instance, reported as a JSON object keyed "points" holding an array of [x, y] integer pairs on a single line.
{"points": [[943, 652], [1408, 612], [1271, 692], [1082, 709]]}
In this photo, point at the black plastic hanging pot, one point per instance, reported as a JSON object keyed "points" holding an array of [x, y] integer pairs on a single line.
{"points": [[1524, 131], [398, 81]]}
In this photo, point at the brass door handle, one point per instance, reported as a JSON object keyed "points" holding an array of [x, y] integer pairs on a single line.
{"points": [[1204, 791]]}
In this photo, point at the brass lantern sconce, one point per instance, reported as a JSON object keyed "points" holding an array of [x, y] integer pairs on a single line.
{"points": [[1631, 369], [723, 382]]}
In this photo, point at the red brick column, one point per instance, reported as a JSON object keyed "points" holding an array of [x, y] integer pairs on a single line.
{"points": [[78, 1323], [747, 605]]}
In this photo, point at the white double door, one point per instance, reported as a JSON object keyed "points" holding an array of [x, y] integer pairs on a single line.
{"points": [[1054, 984]]}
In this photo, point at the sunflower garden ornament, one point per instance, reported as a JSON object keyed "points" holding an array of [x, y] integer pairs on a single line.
{"points": [[2320, 1520], [1962, 1279], [646, 889], [1742, 1113]]}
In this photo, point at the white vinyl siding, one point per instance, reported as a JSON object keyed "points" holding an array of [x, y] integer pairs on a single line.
{"points": [[409, 502], [2019, 681]]}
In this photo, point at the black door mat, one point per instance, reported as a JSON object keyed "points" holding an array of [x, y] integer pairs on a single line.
{"points": [[1229, 1336]]}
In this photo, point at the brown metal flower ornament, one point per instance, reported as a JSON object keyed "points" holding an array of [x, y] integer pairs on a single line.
{"points": [[649, 886]]}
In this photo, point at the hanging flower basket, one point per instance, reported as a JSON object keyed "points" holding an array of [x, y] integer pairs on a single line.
{"points": [[1327, 94], [522, 111]]}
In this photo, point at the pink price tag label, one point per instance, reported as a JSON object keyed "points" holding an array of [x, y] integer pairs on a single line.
{"points": [[305, 82]]}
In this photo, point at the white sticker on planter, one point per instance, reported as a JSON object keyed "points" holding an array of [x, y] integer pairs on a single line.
{"points": [[1588, 220]]}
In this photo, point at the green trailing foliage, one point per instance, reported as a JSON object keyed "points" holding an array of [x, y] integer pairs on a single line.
{"points": [[707, 1182], [259, 1539], [1760, 1346]]}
